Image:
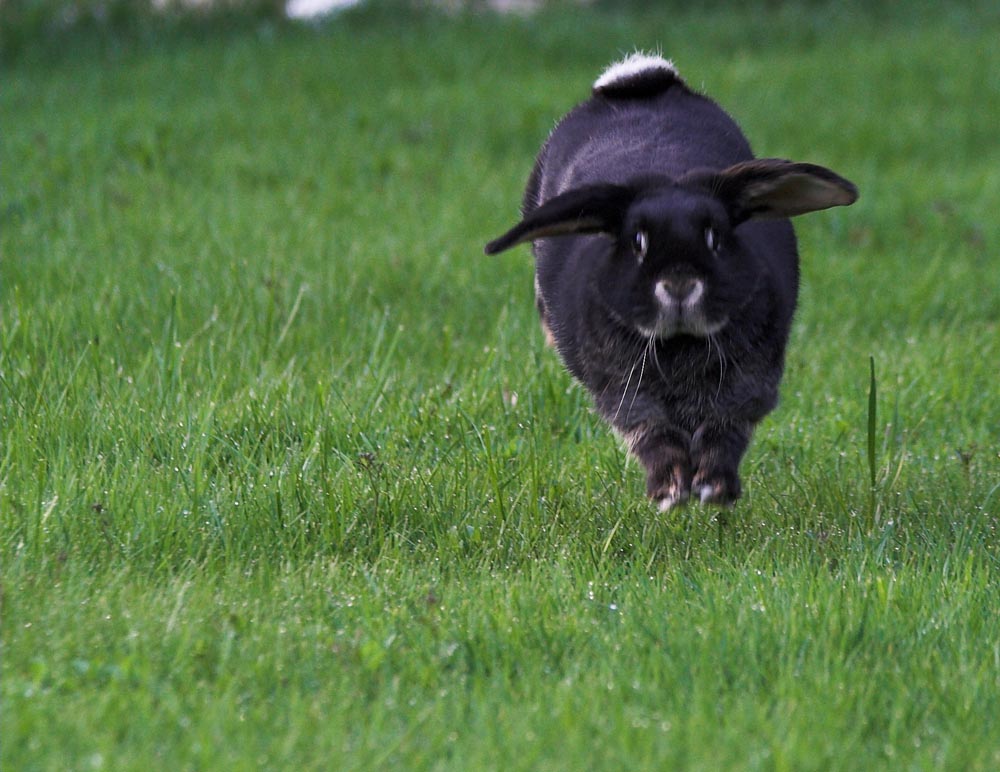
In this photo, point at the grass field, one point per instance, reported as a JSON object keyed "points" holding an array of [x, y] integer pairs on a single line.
{"points": [[289, 479]]}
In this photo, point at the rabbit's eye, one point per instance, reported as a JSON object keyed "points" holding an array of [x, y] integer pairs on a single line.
{"points": [[640, 244], [711, 239]]}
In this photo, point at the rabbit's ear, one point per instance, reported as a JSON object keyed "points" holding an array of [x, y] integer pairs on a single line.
{"points": [[769, 188], [589, 209]]}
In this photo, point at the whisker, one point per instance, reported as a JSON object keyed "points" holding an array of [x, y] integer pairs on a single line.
{"points": [[723, 362], [656, 360], [635, 394], [610, 384], [641, 360]]}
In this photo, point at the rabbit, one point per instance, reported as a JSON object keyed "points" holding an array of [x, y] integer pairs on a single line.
{"points": [[667, 271]]}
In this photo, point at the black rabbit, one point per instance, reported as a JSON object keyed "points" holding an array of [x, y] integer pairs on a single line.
{"points": [[670, 289]]}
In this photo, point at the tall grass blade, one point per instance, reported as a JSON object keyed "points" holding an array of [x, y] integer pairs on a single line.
{"points": [[872, 419]]}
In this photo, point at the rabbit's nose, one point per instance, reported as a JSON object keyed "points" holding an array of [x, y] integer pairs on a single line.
{"points": [[683, 291]]}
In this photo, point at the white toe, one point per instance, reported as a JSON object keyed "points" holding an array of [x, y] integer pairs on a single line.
{"points": [[665, 505]]}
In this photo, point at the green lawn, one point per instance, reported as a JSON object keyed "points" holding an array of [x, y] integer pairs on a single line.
{"points": [[289, 480]]}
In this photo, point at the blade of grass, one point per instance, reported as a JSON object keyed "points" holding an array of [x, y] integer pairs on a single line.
{"points": [[872, 420]]}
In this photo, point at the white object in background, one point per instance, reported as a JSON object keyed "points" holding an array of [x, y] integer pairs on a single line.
{"points": [[310, 9]]}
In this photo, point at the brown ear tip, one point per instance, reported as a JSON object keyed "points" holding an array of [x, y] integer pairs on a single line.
{"points": [[848, 192]]}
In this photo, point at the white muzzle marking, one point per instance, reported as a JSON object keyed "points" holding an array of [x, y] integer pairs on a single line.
{"points": [[681, 315]]}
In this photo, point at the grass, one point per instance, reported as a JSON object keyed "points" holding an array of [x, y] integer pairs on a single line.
{"points": [[289, 479]]}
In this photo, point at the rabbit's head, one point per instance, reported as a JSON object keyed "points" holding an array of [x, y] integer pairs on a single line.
{"points": [[671, 261]]}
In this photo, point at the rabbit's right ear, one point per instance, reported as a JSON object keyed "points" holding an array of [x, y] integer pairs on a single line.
{"points": [[590, 209]]}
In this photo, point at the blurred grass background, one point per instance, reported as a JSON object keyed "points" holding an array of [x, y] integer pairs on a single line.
{"points": [[288, 475]]}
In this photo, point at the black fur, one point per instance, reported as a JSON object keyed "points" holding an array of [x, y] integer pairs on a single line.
{"points": [[645, 196]]}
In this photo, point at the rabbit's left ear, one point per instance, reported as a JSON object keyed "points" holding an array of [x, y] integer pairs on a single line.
{"points": [[589, 209], [770, 188]]}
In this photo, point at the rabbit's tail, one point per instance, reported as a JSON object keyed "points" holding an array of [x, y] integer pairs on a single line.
{"points": [[637, 75]]}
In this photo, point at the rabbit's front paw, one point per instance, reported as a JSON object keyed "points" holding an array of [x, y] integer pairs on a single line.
{"points": [[671, 488], [717, 486], [675, 496]]}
